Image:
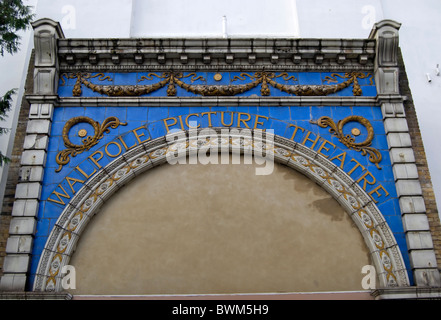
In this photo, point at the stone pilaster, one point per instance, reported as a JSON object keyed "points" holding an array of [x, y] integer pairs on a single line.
{"points": [[413, 211], [27, 194]]}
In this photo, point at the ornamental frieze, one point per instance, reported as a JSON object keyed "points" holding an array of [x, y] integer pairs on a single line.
{"points": [[263, 79]]}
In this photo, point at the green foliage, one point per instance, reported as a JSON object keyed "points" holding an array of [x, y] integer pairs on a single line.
{"points": [[14, 17], [5, 106], [3, 159]]}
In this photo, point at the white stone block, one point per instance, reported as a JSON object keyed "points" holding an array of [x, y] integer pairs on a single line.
{"points": [[422, 259], [22, 226], [41, 111], [419, 240], [392, 109], [19, 244], [33, 141], [13, 282], [25, 208], [402, 155], [412, 205], [395, 125], [16, 263], [31, 174], [45, 81], [405, 171], [408, 188], [427, 278], [415, 222], [399, 140], [33, 158], [387, 80], [30, 190], [38, 127]]}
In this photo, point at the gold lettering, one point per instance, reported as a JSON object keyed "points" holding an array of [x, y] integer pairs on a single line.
{"points": [[295, 130], [323, 146], [222, 119], [239, 120], [256, 122], [341, 157], [167, 126], [182, 124], [71, 184], [107, 151], [59, 195], [95, 161], [85, 174], [209, 116], [186, 121], [356, 166], [363, 177], [137, 135], [124, 143], [377, 193], [307, 139]]}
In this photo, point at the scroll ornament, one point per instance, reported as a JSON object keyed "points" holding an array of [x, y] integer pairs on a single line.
{"points": [[173, 79], [63, 157], [349, 140]]}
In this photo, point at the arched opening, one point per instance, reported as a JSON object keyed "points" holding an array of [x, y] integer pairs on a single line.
{"points": [[219, 229], [378, 238]]}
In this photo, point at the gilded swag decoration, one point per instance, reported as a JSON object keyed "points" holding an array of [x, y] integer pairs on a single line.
{"points": [[173, 79]]}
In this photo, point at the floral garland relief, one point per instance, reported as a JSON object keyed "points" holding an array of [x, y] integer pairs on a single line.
{"points": [[173, 79]]}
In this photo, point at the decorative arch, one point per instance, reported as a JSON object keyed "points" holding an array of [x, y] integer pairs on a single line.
{"points": [[379, 239]]}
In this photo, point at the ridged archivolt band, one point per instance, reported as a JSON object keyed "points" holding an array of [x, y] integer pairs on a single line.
{"points": [[378, 237], [173, 79]]}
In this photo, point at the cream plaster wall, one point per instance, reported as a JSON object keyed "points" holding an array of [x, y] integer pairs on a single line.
{"points": [[210, 229]]}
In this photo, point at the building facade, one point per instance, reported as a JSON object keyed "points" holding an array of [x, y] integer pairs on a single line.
{"points": [[219, 166]]}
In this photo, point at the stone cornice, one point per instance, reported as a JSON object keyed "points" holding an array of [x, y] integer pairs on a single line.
{"points": [[139, 54]]}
